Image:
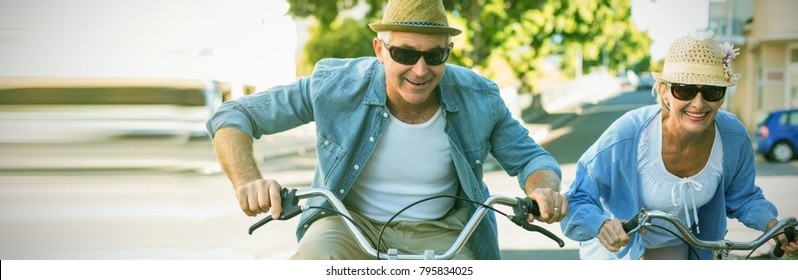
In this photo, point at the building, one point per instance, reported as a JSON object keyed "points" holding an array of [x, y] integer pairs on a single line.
{"points": [[766, 31]]}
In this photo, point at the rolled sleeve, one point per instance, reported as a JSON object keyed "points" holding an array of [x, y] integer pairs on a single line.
{"points": [[230, 114]]}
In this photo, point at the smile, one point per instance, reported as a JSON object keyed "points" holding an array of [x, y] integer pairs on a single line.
{"points": [[416, 83], [696, 115]]}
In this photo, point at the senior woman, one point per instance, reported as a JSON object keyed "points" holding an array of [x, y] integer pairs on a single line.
{"points": [[683, 156]]}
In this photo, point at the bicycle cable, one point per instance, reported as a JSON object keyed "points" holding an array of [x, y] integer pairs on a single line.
{"points": [[379, 238], [692, 250], [348, 218]]}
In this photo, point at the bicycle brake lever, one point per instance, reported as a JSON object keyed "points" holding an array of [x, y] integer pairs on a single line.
{"points": [[790, 233], [525, 206], [290, 205]]}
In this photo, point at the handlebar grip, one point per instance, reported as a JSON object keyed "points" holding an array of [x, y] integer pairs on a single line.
{"points": [[631, 224], [289, 201], [790, 233], [525, 205]]}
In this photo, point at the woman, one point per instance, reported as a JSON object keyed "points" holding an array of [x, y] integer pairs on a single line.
{"points": [[684, 157]]}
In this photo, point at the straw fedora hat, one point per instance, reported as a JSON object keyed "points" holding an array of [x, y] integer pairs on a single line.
{"points": [[416, 16], [699, 62]]}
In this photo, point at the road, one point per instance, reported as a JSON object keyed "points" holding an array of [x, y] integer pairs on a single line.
{"points": [[165, 198]]}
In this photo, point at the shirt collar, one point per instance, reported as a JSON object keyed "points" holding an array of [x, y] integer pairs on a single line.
{"points": [[376, 91]]}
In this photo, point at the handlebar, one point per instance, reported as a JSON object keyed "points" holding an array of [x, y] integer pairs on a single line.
{"points": [[787, 226], [522, 207]]}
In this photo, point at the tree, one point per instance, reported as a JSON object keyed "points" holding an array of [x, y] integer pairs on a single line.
{"points": [[519, 32], [341, 39]]}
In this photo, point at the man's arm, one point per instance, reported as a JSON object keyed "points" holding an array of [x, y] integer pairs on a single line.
{"points": [[234, 152], [543, 186]]}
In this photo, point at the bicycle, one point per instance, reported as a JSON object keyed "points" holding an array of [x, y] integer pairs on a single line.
{"points": [[720, 248], [522, 207]]}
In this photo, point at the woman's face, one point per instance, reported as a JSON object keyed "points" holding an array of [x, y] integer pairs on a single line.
{"points": [[692, 116]]}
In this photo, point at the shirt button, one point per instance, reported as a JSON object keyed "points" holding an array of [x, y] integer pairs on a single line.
{"points": [[306, 226], [478, 162], [324, 213], [341, 191], [357, 167], [384, 115], [371, 139], [326, 142]]}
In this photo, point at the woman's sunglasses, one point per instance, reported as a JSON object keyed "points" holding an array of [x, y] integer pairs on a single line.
{"points": [[410, 57], [688, 92]]}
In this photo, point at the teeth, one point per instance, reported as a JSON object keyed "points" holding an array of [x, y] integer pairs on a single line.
{"points": [[695, 115], [418, 84]]}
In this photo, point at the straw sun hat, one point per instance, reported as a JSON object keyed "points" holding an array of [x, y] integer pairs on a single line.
{"points": [[416, 16], [699, 62]]}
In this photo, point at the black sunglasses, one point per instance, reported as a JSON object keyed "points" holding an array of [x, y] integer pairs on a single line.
{"points": [[688, 92], [410, 57]]}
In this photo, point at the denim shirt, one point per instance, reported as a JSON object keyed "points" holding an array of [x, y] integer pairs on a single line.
{"points": [[606, 186], [347, 100]]}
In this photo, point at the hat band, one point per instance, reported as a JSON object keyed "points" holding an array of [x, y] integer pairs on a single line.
{"points": [[705, 69], [420, 23]]}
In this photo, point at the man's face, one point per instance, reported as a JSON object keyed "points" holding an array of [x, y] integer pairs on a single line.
{"points": [[411, 84]]}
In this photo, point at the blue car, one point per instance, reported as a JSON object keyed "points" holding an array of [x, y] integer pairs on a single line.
{"points": [[777, 135]]}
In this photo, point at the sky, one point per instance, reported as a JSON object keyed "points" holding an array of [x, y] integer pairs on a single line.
{"points": [[242, 41], [667, 20]]}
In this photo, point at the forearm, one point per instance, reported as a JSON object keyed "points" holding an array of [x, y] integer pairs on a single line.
{"points": [[234, 152], [542, 179]]}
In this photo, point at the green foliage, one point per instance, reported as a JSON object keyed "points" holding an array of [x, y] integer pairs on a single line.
{"points": [[521, 32], [342, 39]]}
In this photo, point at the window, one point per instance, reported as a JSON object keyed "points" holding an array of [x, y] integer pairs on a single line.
{"points": [[794, 118], [783, 118]]}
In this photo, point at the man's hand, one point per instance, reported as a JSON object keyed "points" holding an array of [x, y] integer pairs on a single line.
{"points": [[258, 196], [542, 187], [255, 194], [553, 205]]}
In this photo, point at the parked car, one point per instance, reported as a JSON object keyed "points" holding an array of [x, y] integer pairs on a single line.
{"points": [[777, 135], [645, 82]]}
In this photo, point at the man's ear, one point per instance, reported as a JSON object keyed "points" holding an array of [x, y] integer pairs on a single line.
{"points": [[378, 49]]}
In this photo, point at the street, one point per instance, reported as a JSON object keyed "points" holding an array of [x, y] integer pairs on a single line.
{"points": [[166, 198]]}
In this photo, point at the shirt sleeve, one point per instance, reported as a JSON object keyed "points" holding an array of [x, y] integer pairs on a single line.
{"points": [[275, 110], [744, 199]]}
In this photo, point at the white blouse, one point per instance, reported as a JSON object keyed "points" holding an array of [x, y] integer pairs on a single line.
{"points": [[661, 190]]}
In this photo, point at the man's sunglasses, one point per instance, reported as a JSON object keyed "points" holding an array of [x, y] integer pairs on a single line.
{"points": [[410, 57], [688, 92]]}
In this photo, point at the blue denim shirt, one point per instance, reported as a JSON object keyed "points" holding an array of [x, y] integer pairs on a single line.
{"points": [[606, 186], [347, 100]]}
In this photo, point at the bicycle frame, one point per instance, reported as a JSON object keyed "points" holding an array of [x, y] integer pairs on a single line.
{"points": [[521, 207], [720, 248]]}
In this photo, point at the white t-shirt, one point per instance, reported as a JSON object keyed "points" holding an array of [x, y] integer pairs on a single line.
{"points": [[661, 190], [410, 162]]}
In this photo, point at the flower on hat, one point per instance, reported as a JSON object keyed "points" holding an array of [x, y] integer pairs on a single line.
{"points": [[729, 53]]}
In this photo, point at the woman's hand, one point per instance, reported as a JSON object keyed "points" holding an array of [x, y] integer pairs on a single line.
{"points": [[790, 247], [612, 235]]}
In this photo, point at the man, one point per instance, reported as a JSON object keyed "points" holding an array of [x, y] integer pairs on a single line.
{"points": [[391, 130]]}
